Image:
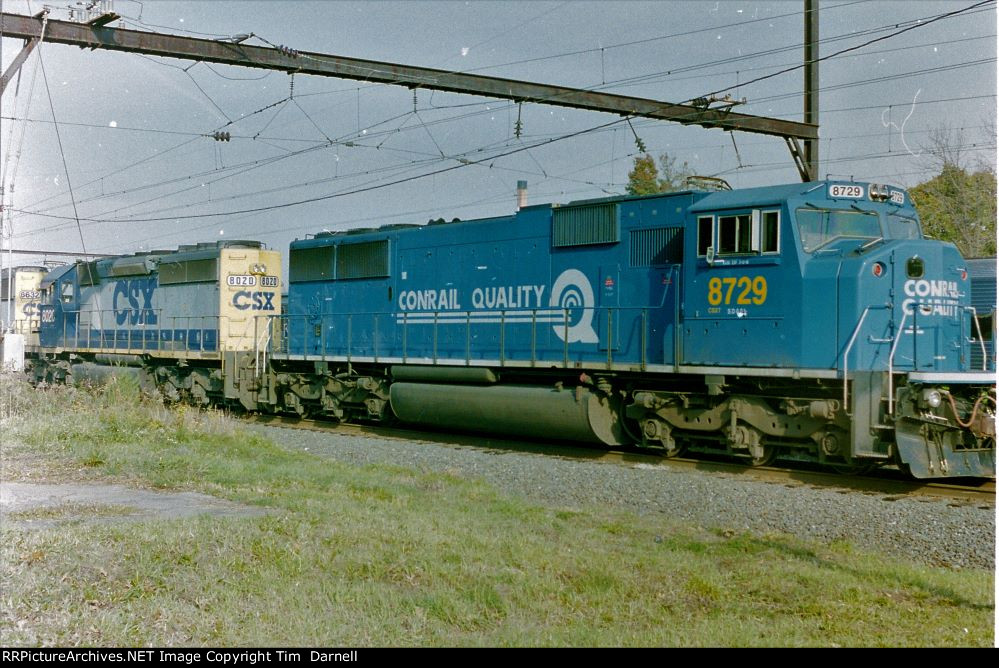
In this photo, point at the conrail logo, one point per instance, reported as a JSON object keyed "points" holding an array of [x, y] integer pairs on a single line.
{"points": [[932, 297], [573, 294]]}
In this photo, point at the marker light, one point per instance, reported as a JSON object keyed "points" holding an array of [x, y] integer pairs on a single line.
{"points": [[878, 269]]}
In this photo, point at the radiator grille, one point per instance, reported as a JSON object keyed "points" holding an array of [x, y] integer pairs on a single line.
{"points": [[661, 245], [311, 264], [191, 271], [364, 260]]}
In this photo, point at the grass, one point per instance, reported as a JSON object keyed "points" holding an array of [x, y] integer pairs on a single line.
{"points": [[72, 511], [385, 555]]}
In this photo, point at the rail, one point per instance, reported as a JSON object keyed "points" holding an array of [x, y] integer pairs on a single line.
{"points": [[332, 335]]}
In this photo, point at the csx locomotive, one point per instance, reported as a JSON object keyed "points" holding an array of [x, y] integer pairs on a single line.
{"points": [[808, 321]]}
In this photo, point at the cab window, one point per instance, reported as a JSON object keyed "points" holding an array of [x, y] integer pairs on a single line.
{"points": [[903, 227], [67, 293], [770, 232], [735, 234], [754, 233], [819, 227], [705, 234]]}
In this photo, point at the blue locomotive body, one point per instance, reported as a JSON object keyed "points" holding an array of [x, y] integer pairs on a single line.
{"points": [[826, 290], [120, 305], [776, 279]]}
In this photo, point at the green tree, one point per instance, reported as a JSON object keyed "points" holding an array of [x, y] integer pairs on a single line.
{"points": [[646, 178], [959, 203]]}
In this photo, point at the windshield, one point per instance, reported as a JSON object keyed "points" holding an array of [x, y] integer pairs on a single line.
{"points": [[903, 227], [819, 227]]}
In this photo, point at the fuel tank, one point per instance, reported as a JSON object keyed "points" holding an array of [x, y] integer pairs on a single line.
{"points": [[568, 414]]}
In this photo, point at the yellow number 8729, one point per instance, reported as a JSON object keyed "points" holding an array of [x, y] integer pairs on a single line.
{"points": [[747, 290]]}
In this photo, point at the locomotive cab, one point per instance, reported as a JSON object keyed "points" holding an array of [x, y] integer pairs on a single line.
{"points": [[834, 283], [902, 331]]}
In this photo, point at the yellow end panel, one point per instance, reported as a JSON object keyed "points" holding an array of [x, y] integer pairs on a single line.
{"points": [[27, 295], [250, 298]]}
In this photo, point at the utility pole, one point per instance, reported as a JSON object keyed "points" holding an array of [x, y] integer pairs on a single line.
{"points": [[234, 52], [811, 144]]}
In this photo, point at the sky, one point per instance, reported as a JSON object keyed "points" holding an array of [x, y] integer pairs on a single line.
{"points": [[111, 152]]}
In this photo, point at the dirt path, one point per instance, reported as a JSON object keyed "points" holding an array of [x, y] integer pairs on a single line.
{"points": [[38, 505]]}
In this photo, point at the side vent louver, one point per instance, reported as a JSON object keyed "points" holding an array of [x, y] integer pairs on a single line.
{"points": [[662, 245], [311, 264], [584, 225], [364, 260], [189, 271]]}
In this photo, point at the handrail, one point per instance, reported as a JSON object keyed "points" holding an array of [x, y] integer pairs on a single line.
{"points": [[536, 320], [981, 341], [891, 362], [110, 339], [260, 351], [846, 354]]}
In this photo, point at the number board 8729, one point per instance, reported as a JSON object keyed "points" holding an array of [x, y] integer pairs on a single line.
{"points": [[737, 290]]}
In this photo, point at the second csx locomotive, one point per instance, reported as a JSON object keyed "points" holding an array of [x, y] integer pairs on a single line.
{"points": [[811, 321]]}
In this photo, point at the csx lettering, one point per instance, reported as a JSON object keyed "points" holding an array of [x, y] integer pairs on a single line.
{"points": [[126, 301], [255, 301]]}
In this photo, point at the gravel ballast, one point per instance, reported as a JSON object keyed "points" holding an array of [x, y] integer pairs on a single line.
{"points": [[933, 531]]}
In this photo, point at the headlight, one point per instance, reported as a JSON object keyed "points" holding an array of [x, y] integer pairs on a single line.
{"points": [[932, 398]]}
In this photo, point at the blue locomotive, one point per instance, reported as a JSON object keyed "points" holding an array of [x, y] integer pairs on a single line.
{"points": [[808, 321]]}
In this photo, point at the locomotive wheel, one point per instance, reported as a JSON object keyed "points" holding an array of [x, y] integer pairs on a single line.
{"points": [[853, 469], [765, 458], [677, 449]]}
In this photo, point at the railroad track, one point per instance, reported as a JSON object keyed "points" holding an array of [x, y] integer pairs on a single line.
{"points": [[886, 481]]}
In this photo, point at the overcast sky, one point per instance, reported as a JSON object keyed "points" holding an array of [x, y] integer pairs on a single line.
{"points": [[145, 172]]}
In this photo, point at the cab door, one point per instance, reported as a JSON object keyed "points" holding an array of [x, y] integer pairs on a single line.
{"points": [[67, 312], [735, 291]]}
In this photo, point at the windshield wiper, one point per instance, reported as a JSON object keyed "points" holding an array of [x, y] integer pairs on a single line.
{"points": [[869, 244]]}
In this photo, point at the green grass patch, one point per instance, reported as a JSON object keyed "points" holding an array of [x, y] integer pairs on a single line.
{"points": [[385, 555]]}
